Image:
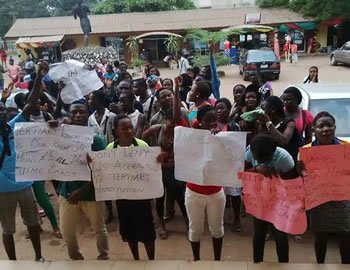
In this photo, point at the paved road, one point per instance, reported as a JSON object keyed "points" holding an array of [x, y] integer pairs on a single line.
{"points": [[290, 74]]}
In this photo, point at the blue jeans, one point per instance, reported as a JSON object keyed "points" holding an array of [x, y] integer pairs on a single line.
{"points": [[2, 84]]}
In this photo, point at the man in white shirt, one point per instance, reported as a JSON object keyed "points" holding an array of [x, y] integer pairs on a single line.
{"points": [[101, 119], [183, 62]]}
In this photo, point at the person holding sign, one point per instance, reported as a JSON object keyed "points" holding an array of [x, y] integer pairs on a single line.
{"points": [[12, 192], [165, 122], [77, 198], [223, 108], [292, 98], [135, 216], [249, 102], [264, 157], [201, 200], [199, 94], [331, 217]]}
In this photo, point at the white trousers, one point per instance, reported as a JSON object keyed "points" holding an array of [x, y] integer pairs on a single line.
{"points": [[197, 205]]}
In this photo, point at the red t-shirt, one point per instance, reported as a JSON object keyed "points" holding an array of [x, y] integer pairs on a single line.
{"points": [[21, 85], [204, 190]]}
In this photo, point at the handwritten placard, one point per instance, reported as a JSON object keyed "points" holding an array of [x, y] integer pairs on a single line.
{"points": [[131, 173], [206, 159], [78, 80], [278, 201], [327, 176], [44, 153]]}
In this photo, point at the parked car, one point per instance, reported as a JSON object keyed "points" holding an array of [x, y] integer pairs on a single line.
{"points": [[341, 55], [264, 61], [331, 97]]}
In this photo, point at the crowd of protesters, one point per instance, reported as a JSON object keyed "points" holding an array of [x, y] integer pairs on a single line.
{"points": [[143, 111]]}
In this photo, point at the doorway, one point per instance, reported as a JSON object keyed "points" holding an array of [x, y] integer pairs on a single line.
{"points": [[156, 47]]}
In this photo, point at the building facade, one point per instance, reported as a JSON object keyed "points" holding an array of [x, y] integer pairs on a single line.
{"points": [[152, 27]]}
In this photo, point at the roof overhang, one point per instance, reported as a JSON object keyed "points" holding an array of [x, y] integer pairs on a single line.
{"points": [[35, 42], [158, 34], [246, 28]]}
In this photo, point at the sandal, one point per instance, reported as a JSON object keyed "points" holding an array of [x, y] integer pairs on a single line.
{"points": [[57, 234], [298, 238], [42, 213], [163, 235]]}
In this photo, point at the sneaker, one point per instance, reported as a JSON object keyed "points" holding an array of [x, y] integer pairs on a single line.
{"points": [[237, 227], [298, 238], [268, 237], [42, 260], [104, 257]]}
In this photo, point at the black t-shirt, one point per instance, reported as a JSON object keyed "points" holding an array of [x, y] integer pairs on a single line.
{"points": [[295, 142]]}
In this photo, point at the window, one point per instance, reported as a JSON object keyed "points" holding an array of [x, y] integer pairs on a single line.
{"points": [[261, 56], [339, 108], [117, 44], [199, 47]]}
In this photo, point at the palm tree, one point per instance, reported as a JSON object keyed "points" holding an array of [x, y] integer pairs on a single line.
{"points": [[133, 46], [172, 44]]}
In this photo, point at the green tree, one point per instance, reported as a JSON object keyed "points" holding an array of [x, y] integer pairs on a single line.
{"points": [[122, 6], [207, 36], [172, 44], [318, 9], [11, 10], [272, 3], [322, 9], [133, 46], [64, 7]]}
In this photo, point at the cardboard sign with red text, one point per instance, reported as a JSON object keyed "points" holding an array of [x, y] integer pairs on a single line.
{"points": [[280, 202], [327, 175]]}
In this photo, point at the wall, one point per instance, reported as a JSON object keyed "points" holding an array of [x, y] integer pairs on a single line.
{"points": [[322, 33], [94, 40]]}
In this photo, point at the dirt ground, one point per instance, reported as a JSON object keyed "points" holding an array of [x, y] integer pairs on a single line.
{"points": [[237, 246]]}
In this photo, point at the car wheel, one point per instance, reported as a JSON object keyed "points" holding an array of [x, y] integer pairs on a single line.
{"points": [[240, 72], [245, 76], [277, 77], [333, 61]]}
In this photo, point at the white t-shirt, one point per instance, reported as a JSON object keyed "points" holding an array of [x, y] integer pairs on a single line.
{"points": [[40, 118], [134, 117], [183, 65], [104, 129]]}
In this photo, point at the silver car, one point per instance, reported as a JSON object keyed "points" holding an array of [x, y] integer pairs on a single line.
{"points": [[341, 55], [331, 97]]}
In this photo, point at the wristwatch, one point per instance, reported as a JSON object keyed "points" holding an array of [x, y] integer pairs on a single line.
{"points": [[268, 125]]}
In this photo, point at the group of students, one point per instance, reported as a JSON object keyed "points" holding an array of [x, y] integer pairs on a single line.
{"points": [[144, 112]]}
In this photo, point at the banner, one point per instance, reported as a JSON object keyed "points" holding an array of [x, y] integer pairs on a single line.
{"points": [[280, 202], [44, 153], [131, 173], [327, 176], [206, 159]]}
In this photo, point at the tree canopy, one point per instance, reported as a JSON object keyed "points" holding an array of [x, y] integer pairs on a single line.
{"points": [[10, 10], [122, 6], [64, 7], [318, 9]]}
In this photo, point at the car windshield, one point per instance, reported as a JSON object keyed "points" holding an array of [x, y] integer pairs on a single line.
{"points": [[339, 108], [261, 56]]}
